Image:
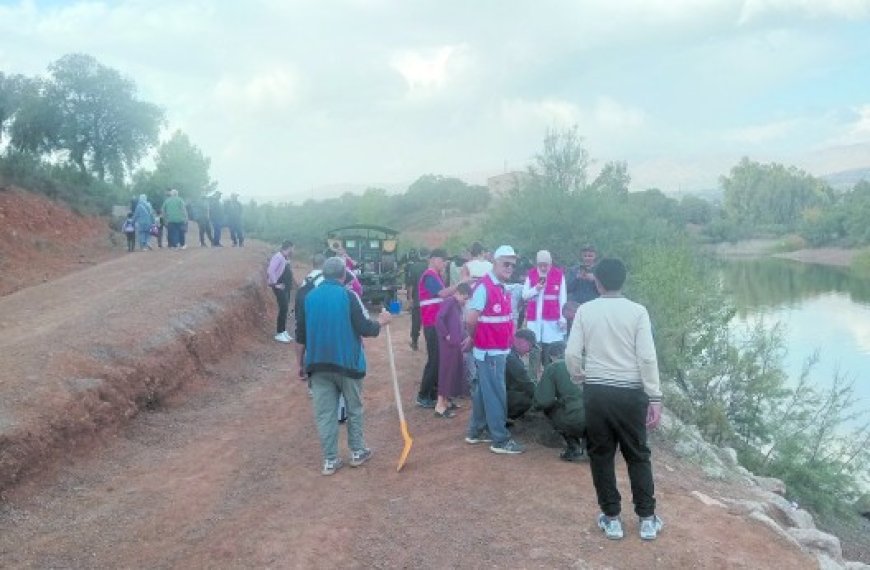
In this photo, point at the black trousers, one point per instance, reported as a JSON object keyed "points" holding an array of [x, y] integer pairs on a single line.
{"points": [[283, 299], [416, 323], [204, 231], [429, 383], [131, 241], [617, 417]]}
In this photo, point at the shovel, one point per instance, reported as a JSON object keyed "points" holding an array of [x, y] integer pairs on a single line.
{"points": [[402, 423]]}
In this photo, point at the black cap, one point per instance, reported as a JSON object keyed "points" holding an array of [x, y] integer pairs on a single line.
{"points": [[528, 335], [438, 252]]}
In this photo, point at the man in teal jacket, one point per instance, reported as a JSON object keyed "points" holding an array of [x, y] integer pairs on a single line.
{"points": [[335, 322]]}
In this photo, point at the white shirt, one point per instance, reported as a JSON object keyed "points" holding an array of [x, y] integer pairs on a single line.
{"points": [[616, 336], [546, 331]]}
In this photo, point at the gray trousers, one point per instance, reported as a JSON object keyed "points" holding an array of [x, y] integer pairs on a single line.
{"points": [[326, 387]]}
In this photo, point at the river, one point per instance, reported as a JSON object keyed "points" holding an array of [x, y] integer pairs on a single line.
{"points": [[820, 308]]}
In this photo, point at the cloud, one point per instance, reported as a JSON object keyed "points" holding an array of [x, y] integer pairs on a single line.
{"points": [[755, 10], [763, 133], [605, 113], [268, 91], [427, 71]]}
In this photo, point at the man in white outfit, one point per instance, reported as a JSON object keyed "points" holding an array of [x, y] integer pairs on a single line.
{"points": [[544, 291]]}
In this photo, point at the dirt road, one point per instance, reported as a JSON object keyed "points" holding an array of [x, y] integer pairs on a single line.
{"points": [[225, 474]]}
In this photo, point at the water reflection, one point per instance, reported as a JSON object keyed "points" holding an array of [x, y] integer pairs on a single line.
{"points": [[773, 283], [821, 308]]}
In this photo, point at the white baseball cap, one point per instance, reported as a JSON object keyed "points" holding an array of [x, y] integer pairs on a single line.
{"points": [[544, 257], [504, 251]]}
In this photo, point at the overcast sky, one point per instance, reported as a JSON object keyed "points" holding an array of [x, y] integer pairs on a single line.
{"points": [[291, 98]]}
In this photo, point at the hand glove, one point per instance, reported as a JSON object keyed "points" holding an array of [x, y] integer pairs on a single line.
{"points": [[653, 415]]}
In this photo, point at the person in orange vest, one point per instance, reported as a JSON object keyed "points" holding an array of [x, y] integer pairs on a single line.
{"points": [[546, 294], [491, 327], [432, 293]]}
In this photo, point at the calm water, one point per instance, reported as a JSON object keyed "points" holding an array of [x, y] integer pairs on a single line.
{"points": [[821, 308]]}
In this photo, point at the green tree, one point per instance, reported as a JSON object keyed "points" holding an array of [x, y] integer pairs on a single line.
{"points": [[564, 162], [695, 210], [771, 196], [90, 112], [856, 222], [14, 89], [179, 164], [613, 179]]}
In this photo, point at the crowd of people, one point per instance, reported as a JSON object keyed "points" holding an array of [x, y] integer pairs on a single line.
{"points": [[146, 224], [596, 379]]}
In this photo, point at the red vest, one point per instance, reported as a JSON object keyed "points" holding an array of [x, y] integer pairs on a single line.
{"points": [[429, 304], [552, 311], [495, 327]]}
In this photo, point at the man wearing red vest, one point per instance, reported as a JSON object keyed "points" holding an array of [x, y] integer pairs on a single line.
{"points": [[492, 328], [545, 292], [432, 293]]}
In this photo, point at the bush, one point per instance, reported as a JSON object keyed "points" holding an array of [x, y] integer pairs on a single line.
{"points": [[81, 192], [861, 263]]}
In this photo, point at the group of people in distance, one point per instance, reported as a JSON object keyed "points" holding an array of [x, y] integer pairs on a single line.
{"points": [[600, 389], [144, 222]]}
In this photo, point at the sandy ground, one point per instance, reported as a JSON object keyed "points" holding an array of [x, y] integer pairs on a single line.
{"points": [[224, 473]]}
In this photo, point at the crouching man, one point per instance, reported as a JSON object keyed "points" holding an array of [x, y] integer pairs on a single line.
{"points": [[622, 396], [335, 322], [561, 400]]}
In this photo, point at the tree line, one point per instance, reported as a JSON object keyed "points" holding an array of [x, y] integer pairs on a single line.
{"points": [[80, 133]]}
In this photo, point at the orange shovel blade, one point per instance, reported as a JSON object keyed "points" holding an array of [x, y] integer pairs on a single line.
{"points": [[407, 448]]}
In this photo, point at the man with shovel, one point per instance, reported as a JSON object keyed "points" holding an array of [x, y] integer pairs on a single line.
{"points": [[335, 322]]}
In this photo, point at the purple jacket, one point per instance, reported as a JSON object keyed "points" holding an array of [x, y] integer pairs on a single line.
{"points": [[449, 322]]}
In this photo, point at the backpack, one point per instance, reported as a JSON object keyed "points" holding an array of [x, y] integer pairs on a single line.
{"points": [[129, 227]]}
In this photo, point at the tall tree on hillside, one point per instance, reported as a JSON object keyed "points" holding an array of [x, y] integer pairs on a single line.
{"points": [[563, 164], [179, 164], [14, 90], [90, 112]]}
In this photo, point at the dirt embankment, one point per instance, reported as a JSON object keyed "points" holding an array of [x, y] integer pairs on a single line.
{"points": [[86, 352], [41, 240]]}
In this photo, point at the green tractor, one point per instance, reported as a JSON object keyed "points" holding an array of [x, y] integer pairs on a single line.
{"points": [[374, 250]]}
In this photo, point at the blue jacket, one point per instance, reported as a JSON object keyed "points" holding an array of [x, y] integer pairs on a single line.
{"points": [[334, 324]]}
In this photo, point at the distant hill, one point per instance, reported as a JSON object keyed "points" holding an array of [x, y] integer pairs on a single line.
{"points": [[846, 179]]}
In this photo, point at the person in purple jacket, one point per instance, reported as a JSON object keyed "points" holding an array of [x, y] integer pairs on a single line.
{"points": [[453, 340], [279, 276]]}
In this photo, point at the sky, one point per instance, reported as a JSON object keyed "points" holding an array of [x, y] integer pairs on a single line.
{"points": [[304, 99]]}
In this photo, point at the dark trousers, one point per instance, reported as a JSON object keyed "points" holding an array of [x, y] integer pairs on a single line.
{"points": [[131, 241], [204, 231], [216, 240], [617, 416], [175, 234], [416, 323], [236, 234], [160, 235], [283, 299], [429, 383]]}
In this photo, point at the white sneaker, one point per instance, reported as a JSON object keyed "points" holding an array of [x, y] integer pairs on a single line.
{"points": [[283, 337], [650, 527], [611, 526]]}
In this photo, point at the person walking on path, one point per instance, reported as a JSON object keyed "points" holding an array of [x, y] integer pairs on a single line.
{"points": [[129, 229], [622, 396], [335, 322], [233, 213], [452, 342], [199, 213], [544, 290], [216, 215], [414, 269], [279, 276], [175, 216], [490, 325], [432, 293], [143, 218], [561, 400]]}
